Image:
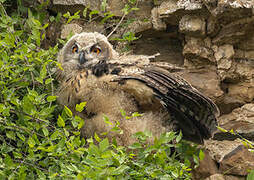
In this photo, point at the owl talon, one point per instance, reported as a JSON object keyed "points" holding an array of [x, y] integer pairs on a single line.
{"points": [[100, 69]]}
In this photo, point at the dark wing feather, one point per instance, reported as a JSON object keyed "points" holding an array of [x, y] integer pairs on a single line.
{"points": [[193, 113]]}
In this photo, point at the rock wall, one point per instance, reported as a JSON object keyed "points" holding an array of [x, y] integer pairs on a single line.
{"points": [[214, 41]]}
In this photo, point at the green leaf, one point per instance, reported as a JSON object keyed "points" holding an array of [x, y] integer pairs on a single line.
{"points": [[11, 135], [2, 107], [134, 9], [232, 131], [60, 121], [175, 174], [21, 136], [43, 72], [196, 160], [45, 131], [85, 12], [55, 135], [104, 144], [97, 138], [51, 18], [49, 80], [51, 98], [67, 15], [123, 113], [106, 120], [27, 105], [93, 150], [245, 144], [67, 111], [31, 142], [40, 174], [136, 114], [80, 107], [179, 137], [107, 16], [120, 170], [135, 146], [201, 155], [81, 122], [8, 161], [222, 129], [58, 17], [93, 13]]}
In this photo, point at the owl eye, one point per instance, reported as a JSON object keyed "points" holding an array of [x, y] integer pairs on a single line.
{"points": [[95, 50], [74, 48]]}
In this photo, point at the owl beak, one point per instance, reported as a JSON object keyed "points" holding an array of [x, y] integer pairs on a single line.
{"points": [[82, 58]]}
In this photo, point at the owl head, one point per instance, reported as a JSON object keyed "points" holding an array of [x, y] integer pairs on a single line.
{"points": [[85, 49]]}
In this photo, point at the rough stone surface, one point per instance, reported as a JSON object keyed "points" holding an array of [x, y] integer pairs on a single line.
{"points": [[158, 23], [234, 32], [169, 7], [212, 26], [70, 2], [241, 120], [145, 8], [115, 7], [248, 43], [224, 177], [75, 5], [192, 25], [207, 167], [139, 26], [218, 149], [231, 177], [225, 51], [245, 54], [92, 4], [198, 48], [238, 161], [206, 81], [70, 28], [152, 42], [229, 9], [243, 91], [241, 70], [216, 177], [77, 28]]}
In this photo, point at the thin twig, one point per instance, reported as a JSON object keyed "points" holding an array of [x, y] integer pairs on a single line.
{"points": [[117, 25]]}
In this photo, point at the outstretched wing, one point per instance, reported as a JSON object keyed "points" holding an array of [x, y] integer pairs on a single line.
{"points": [[193, 113]]}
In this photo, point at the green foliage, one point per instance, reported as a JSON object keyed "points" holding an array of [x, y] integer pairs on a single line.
{"points": [[38, 140], [250, 175], [70, 17], [157, 161]]}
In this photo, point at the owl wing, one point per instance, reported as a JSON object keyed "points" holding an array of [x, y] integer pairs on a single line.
{"points": [[193, 113]]}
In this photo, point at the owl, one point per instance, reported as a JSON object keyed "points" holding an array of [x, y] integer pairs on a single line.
{"points": [[113, 85]]}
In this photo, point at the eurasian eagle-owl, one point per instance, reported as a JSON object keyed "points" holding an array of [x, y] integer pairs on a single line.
{"points": [[95, 73]]}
